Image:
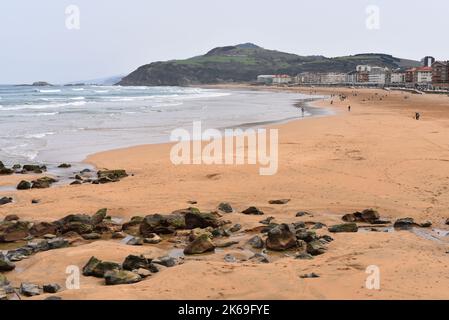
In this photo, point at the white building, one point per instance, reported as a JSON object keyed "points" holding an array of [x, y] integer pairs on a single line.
{"points": [[282, 79], [308, 78], [397, 77], [363, 68], [424, 75], [378, 75], [265, 78], [333, 78]]}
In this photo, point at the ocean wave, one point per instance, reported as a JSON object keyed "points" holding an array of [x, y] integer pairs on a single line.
{"points": [[21, 151], [43, 106], [48, 90], [38, 114], [38, 135], [101, 91], [78, 98], [78, 89]]}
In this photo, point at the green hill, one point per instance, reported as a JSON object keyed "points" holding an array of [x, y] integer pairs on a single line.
{"points": [[244, 62]]}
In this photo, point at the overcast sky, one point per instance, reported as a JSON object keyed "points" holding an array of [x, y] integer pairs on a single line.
{"points": [[116, 36]]}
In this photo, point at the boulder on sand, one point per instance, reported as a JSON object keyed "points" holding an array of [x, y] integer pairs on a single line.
{"points": [[256, 242], [11, 231], [33, 168], [40, 229], [133, 262], [161, 224], [5, 200], [253, 211], [51, 288], [5, 264], [367, 215], [281, 237], [116, 277], [279, 201], [200, 245], [345, 227], [11, 217], [107, 176], [225, 207], [24, 185], [405, 223], [6, 171], [98, 268], [42, 183], [316, 248], [99, 216], [29, 289], [200, 220]]}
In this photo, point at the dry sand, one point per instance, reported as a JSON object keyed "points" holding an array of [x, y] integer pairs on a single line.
{"points": [[375, 156]]}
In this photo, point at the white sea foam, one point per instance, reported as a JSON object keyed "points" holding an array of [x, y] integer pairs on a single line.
{"points": [[42, 106], [38, 135], [78, 89], [48, 90], [38, 114], [21, 150]]}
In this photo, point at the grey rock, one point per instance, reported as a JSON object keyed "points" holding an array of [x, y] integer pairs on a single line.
{"points": [[309, 276], [51, 288], [253, 211], [260, 258], [98, 268], [304, 256], [345, 227], [404, 223], [281, 237], [200, 245], [57, 243], [316, 248], [267, 221], [24, 185], [133, 262], [279, 201], [116, 277], [29, 289], [303, 213], [152, 239], [6, 264], [5, 200], [135, 241], [166, 261], [225, 207], [230, 258], [91, 236], [256, 242], [235, 228]]}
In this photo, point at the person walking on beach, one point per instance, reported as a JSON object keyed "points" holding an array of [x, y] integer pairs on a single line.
{"points": [[417, 115], [349, 108], [302, 111]]}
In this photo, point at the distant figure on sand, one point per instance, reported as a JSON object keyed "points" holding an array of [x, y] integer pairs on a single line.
{"points": [[417, 115], [349, 108], [302, 111]]}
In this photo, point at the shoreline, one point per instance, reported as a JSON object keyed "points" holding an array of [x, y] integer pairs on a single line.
{"points": [[376, 156]]}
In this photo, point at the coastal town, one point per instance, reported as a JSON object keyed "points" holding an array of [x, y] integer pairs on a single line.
{"points": [[432, 75]]}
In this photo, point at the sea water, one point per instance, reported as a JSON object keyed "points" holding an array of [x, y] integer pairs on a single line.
{"points": [[55, 124]]}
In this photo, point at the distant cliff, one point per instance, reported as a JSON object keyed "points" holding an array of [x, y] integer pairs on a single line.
{"points": [[244, 62]]}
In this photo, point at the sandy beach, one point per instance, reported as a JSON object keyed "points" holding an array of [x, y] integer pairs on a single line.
{"points": [[376, 156]]}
